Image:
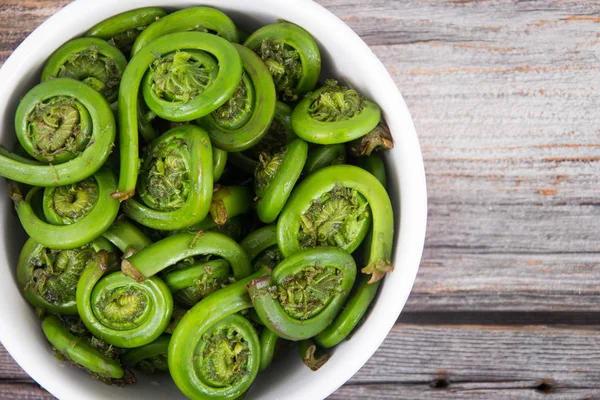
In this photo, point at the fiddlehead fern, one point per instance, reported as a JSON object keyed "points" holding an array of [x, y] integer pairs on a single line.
{"points": [[339, 217], [202, 19], [292, 56], [365, 291], [123, 29], [178, 77], [145, 118], [191, 284], [275, 178], [151, 357], [317, 187], [324, 156], [48, 277], [219, 156], [334, 114], [245, 118], [313, 357], [304, 293], [175, 182], [354, 310], [81, 353], [77, 213], [91, 61], [223, 86], [261, 247], [227, 202], [279, 134], [336, 103], [215, 353], [374, 164], [379, 138], [171, 250], [75, 326], [236, 110], [127, 237], [219, 163], [57, 132], [119, 310], [268, 345], [68, 204]]}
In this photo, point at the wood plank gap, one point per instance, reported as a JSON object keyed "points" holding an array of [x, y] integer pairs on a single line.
{"points": [[4, 380], [503, 318], [508, 252]]}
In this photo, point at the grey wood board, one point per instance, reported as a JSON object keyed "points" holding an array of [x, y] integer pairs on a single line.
{"points": [[484, 392], [467, 361], [9, 369], [481, 362], [23, 391], [452, 280]]}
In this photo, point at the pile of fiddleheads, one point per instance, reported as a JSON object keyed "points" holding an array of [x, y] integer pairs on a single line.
{"points": [[244, 206]]}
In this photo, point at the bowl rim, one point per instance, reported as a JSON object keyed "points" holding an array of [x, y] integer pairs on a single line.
{"points": [[413, 212]]}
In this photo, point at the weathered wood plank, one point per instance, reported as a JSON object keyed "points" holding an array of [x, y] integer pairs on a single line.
{"points": [[23, 391], [479, 354], [18, 18], [486, 391], [449, 361], [460, 362], [452, 280], [9, 369]]}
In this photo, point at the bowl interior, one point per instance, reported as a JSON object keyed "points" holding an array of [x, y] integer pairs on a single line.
{"points": [[344, 56]]}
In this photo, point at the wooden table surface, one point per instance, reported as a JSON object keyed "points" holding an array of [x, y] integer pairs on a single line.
{"points": [[505, 97]]}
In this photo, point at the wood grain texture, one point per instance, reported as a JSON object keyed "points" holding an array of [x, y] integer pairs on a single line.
{"points": [[23, 391], [464, 362], [18, 18], [481, 362], [9, 369], [455, 280], [472, 355], [487, 391]]}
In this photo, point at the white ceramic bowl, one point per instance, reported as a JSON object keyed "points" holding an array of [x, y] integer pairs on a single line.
{"points": [[346, 57]]}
